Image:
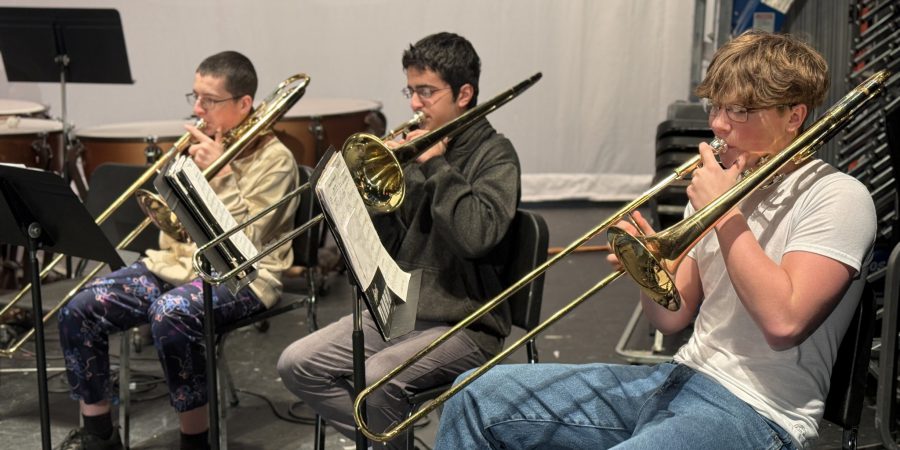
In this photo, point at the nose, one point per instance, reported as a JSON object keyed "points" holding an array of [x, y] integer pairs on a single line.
{"points": [[719, 123], [198, 111], [415, 102]]}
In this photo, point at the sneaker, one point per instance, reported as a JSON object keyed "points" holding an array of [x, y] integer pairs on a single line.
{"points": [[78, 439]]}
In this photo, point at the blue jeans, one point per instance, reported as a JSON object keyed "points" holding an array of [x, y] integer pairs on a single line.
{"points": [[556, 406]]}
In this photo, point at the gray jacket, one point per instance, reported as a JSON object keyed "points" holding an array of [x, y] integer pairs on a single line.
{"points": [[457, 210]]}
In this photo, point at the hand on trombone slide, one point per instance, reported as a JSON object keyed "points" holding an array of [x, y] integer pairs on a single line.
{"points": [[206, 149], [634, 224], [436, 150]]}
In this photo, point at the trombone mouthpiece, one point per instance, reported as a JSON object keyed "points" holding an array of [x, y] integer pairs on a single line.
{"points": [[719, 146]]}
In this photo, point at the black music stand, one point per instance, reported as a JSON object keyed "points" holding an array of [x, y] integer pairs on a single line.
{"points": [[401, 319], [38, 210], [72, 45]]}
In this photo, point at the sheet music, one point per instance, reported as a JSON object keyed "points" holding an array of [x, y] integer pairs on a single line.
{"points": [[185, 165], [337, 192]]}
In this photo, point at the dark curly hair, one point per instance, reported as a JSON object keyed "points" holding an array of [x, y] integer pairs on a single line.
{"points": [[449, 55]]}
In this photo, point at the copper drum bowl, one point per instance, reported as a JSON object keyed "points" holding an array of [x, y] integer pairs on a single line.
{"points": [[136, 143], [314, 124], [32, 142]]}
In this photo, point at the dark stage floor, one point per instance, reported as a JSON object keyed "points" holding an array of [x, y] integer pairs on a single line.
{"points": [[591, 334]]}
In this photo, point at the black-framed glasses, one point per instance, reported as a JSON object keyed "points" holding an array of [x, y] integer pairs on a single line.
{"points": [[424, 92], [736, 113], [205, 102]]}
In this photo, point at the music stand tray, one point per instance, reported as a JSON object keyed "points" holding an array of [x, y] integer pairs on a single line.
{"points": [[91, 40], [38, 210]]}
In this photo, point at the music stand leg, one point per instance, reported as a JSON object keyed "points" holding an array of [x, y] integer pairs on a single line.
{"points": [[212, 387], [34, 233], [359, 363]]}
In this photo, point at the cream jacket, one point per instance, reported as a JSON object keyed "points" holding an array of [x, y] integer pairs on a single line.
{"points": [[256, 181]]}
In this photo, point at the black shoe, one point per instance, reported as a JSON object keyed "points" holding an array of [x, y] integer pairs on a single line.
{"points": [[78, 439]]}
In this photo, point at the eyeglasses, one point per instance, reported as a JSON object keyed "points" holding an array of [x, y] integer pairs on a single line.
{"points": [[424, 92], [205, 102], [736, 113]]}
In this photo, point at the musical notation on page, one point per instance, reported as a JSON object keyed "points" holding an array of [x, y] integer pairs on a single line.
{"points": [[215, 207], [390, 293], [338, 193]]}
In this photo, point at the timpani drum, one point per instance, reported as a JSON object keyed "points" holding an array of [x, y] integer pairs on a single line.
{"points": [[11, 107], [32, 142], [136, 143], [314, 124]]}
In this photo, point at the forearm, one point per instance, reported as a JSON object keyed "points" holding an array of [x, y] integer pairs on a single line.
{"points": [[763, 286]]}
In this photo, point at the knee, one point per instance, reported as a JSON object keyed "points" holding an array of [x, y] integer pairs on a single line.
{"points": [[173, 327], [83, 307], [297, 365]]}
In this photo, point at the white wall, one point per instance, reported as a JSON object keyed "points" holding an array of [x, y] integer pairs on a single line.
{"points": [[586, 130]]}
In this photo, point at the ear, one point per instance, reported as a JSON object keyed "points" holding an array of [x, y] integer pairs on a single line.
{"points": [[246, 103], [797, 114], [466, 92]]}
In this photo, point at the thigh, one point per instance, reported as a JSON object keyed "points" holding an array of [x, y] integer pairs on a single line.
{"points": [[441, 366], [118, 300], [561, 406], [185, 304], [328, 352], [692, 411]]}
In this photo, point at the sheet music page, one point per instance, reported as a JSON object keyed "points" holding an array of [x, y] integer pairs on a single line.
{"points": [[215, 206], [337, 192]]}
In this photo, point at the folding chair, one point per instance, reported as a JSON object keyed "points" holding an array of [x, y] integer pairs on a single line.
{"points": [[528, 240], [844, 403]]}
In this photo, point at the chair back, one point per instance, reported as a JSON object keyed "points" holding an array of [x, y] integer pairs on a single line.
{"points": [[844, 403], [529, 239], [306, 246], [526, 242], [108, 182]]}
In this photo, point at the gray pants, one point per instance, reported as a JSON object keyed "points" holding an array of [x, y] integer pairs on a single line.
{"points": [[319, 370]]}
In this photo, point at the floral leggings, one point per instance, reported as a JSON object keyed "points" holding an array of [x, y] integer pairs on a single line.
{"points": [[132, 296]]}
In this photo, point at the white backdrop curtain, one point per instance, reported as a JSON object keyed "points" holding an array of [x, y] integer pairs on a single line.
{"points": [[586, 131]]}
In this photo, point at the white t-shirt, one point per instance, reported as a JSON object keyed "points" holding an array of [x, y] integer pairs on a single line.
{"points": [[814, 209]]}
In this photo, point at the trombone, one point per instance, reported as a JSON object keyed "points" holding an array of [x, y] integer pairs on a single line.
{"points": [[376, 169], [652, 260], [211, 278], [263, 117], [803, 147], [403, 128]]}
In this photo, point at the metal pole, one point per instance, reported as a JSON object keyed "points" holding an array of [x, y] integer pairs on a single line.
{"points": [[359, 361], [34, 232], [212, 386]]}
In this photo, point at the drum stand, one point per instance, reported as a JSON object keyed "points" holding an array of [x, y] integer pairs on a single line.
{"points": [[71, 150]]}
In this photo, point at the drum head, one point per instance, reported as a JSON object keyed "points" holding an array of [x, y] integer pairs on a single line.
{"points": [[161, 129], [25, 125], [11, 107]]}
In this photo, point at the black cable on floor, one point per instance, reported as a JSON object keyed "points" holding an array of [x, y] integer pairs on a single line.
{"points": [[292, 417]]}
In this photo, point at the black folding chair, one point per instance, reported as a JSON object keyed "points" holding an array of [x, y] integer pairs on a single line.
{"points": [[528, 240], [844, 403]]}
